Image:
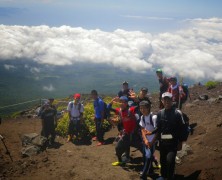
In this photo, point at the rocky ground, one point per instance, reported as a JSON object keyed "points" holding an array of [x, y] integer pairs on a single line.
{"points": [[84, 160]]}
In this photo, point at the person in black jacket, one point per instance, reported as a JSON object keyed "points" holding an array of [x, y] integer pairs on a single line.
{"points": [[171, 130], [164, 85], [48, 116]]}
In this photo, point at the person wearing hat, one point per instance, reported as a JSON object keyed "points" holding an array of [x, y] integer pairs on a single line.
{"points": [[126, 126], [147, 123], [177, 92], [142, 96], [170, 127], [48, 116], [75, 109], [125, 90], [163, 83]]}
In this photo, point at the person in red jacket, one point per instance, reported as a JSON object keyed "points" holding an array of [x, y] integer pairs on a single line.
{"points": [[126, 126], [177, 93]]}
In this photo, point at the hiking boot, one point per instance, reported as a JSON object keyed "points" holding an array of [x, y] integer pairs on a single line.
{"points": [[69, 138], [94, 138], [100, 143], [118, 163]]}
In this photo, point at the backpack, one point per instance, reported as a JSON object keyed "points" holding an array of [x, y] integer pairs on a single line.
{"points": [[186, 127], [105, 109], [186, 92], [79, 106], [151, 120]]}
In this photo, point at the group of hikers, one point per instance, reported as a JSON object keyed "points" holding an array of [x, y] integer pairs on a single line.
{"points": [[137, 125]]}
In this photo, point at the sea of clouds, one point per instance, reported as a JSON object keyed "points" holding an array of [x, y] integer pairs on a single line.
{"points": [[194, 52]]}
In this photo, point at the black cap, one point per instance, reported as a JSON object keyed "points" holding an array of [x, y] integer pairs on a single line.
{"points": [[125, 82], [144, 89], [145, 103], [94, 92]]}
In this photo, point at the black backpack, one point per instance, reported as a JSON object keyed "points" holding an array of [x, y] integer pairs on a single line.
{"points": [[151, 119], [183, 136], [186, 92]]}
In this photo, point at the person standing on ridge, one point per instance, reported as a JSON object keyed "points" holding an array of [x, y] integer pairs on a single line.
{"points": [[171, 130], [147, 123], [177, 92], [125, 91], [75, 110], [48, 116], [126, 127], [99, 108], [164, 85]]}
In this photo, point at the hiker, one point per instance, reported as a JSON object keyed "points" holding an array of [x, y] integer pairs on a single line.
{"points": [[142, 96], [147, 123], [50, 102], [171, 130], [126, 126], [177, 92], [164, 85], [99, 117], [125, 91], [75, 110], [48, 116], [137, 136]]}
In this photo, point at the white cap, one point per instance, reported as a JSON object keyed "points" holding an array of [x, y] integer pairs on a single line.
{"points": [[166, 94]]}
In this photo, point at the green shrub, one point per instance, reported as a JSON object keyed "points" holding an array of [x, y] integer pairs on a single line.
{"points": [[211, 84], [88, 127], [62, 126]]}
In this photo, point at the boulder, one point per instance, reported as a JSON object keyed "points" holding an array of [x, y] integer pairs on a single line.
{"points": [[27, 138], [33, 144], [30, 150]]}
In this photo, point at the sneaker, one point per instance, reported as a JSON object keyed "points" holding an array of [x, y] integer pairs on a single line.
{"points": [[157, 166], [100, 143], [94, 138], [118, 163]]}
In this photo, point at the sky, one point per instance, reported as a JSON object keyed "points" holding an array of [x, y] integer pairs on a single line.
{"points": [[181, 37]]}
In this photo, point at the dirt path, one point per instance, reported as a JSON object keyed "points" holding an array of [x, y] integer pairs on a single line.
{"points": [[83, 160]]}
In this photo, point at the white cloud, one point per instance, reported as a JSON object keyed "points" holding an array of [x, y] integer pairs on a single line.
{"points": [[8, 67], [194, 52], [48, 88]]}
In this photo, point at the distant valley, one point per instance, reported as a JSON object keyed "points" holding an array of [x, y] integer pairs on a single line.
{"points": [[24, 80]]}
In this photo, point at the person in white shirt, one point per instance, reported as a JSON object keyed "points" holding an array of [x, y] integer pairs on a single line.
{"points": [[75, 110], [147, 123]]}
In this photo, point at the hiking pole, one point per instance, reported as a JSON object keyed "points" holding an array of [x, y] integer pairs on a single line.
{"points": [[7, 151]]}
